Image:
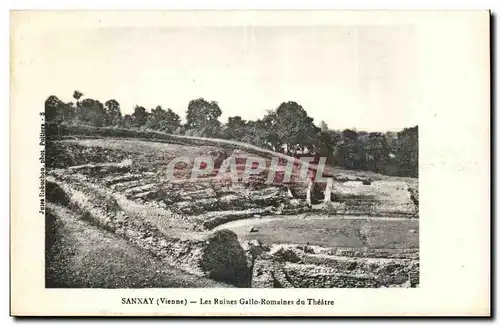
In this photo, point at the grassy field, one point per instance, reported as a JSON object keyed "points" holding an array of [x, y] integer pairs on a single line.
{"points": [[335, 232]]}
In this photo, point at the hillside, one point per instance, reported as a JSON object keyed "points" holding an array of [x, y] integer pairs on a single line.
{"points": [[81, 255]]}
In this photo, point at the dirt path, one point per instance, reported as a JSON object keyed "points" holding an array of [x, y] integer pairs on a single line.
{"points": [[81, 255]]}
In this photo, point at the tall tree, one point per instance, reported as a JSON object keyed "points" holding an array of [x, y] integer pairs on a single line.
{"points": [[376, 150], [327, 143], [266, 132], [323, 126], [69, 112], [167, 121], [350, 153], [235, 128], [77, 95], [52, 106], [127, 121], [391, 138], [294, 127], [58, 111], [257, 134], [202, 117], [407, 152], [140, 116], [92, 112], [113, 112]]}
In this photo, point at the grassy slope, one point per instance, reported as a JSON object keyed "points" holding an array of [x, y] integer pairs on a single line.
{"points": [[334, 232], [66, 130], [82, 256], [54, 131]]}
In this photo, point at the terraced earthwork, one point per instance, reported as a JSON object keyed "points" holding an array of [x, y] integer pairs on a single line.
{"points": [[217, 232]]}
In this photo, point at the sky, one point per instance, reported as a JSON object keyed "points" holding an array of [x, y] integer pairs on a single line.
{"points": [[361, 77]]}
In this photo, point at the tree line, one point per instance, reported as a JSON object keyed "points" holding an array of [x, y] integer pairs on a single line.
{"points": [[287, 129]]}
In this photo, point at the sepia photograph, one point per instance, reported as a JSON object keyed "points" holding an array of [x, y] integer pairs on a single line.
{"points": [[256, 151], [161, 178]]}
